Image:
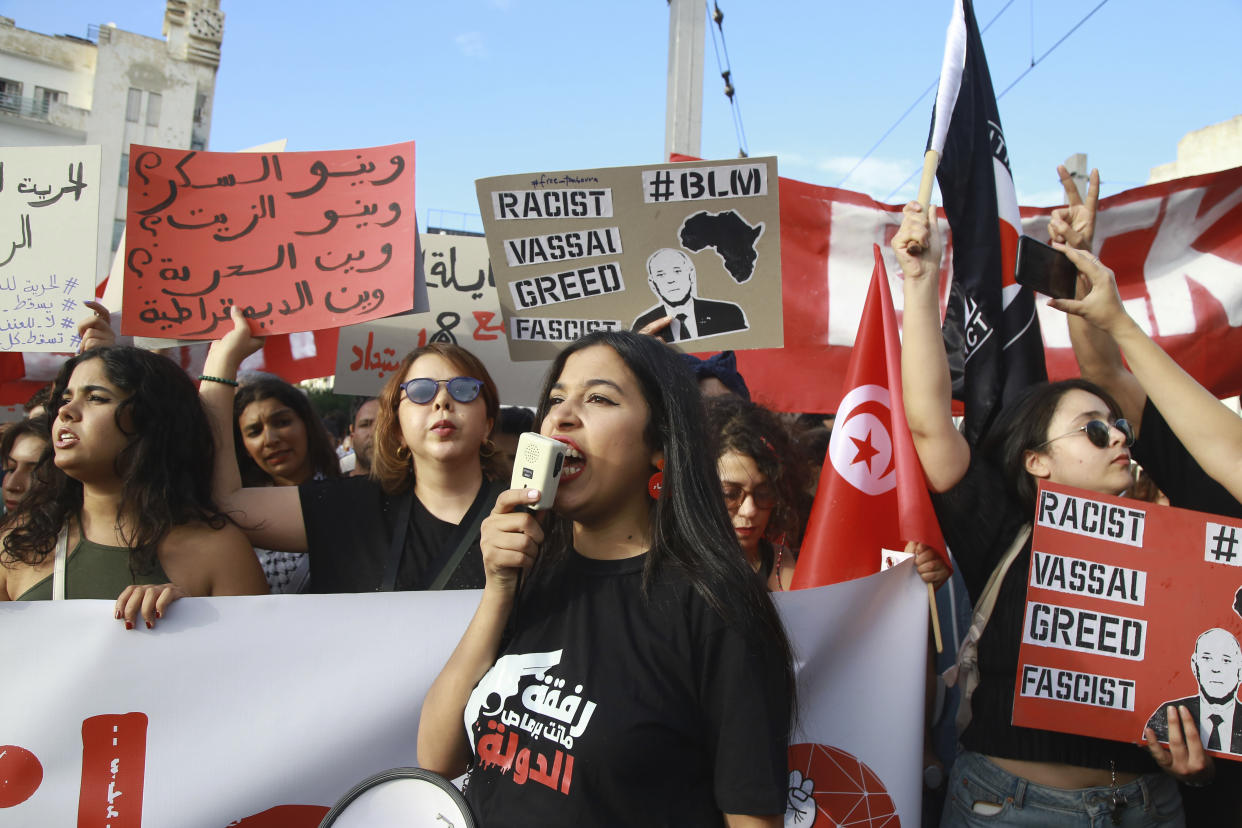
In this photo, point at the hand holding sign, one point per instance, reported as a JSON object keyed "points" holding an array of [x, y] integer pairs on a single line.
{"points": [[96, 330], [1185, 759]]}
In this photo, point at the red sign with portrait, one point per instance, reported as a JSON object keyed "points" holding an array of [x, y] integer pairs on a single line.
{"points": [[1131, 607]]}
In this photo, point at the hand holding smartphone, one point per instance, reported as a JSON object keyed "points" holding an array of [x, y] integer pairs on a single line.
{"points": [[1045, 269]]}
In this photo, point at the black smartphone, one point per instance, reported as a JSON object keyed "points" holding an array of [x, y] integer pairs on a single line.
{"points": [[1045, 269]]}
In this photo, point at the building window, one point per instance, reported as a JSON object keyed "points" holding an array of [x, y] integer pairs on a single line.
{"points": [[124, 179], [154, 102], [45, 97], [10, 95], [118, 232], [133, 105], [198, 144], [200, 107]]}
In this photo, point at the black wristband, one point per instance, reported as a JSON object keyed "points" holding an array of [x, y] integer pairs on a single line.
{"points": [[220, 380]]}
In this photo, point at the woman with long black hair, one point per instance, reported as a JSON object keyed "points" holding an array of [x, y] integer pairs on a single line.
{"points": [[280, 441], [125, 494], [625, 666]]}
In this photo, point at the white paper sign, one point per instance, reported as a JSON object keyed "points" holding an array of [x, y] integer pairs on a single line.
{"points": [[49, 223]]}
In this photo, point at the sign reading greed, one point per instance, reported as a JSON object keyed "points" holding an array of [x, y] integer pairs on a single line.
{"points": [[1131, 607], [618, 249]]}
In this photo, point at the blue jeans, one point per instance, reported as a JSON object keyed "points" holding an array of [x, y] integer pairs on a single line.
{"points": [[982, 794]]}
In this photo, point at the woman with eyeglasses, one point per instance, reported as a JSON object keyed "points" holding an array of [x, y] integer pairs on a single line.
{"points": [[1069, 432], [414, 522], [761, 483]]}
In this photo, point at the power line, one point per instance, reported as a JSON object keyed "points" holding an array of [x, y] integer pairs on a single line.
{"points": [[1035, 62], [726, 73]]}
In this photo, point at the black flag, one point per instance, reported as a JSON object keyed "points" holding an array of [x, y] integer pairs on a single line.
{"points": [[991, 329]]}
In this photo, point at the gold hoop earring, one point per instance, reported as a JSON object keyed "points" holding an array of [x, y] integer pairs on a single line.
{"points": [[488, 448], [403, 452]]}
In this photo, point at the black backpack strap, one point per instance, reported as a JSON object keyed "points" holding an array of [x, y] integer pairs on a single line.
{"points": [[399, 530], [449, 557]]}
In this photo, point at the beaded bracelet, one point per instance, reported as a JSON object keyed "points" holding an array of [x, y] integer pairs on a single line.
{"points": [[220, 380]]}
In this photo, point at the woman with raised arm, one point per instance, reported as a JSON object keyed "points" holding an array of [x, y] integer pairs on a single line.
{"points": [[125, 494], [624, 666], [414, 523], [1071, 433]]}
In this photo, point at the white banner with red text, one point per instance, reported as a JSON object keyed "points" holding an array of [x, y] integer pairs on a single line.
{"points": [[262, 712]]}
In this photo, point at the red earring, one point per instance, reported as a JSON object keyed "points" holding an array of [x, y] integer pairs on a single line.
{"points": [[656, 484]]}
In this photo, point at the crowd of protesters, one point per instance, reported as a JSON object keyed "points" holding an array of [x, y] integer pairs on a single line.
{"points": [[680, 510]]}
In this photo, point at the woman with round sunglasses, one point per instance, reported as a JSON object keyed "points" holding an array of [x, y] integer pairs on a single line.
{"points": [[1189, 443], [1069, 432], [414, 522], [624, 666]]}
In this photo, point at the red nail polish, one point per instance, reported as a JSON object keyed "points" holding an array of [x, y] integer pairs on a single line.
{"points": [[159, 614], [150, 625], [129, 625]]}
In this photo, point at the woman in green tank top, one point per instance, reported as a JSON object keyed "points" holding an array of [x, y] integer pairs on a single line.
{"points": [[126, 488]]}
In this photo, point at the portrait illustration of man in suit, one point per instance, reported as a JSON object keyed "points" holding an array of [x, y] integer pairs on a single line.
{"points": [[671, 276], [1217, 665]]}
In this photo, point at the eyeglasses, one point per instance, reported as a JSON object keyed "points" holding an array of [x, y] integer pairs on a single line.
{"points": [[735, 495], [422, 390], [1099, 433]]}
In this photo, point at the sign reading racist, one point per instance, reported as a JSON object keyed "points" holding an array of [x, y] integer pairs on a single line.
{"points": [[620, 248], [1131, 607]]}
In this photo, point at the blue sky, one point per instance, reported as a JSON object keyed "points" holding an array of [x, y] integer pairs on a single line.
{"points": [[489, 87]]}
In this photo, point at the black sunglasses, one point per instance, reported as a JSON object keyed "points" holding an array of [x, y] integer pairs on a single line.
{"points": [[1099, 433], [422, 390]]}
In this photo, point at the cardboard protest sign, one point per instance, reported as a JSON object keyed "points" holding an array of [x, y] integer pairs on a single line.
{"points": [[464, 311], [49, 223], [1130, 607], [620, 248], [300, 240]]}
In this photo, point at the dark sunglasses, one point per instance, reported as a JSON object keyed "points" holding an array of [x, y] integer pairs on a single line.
{"points": [[422, 390], [734, 496], [1099, 433]]}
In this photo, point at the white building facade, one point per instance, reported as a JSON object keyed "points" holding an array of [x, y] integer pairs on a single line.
{"points": [[119, 89]]}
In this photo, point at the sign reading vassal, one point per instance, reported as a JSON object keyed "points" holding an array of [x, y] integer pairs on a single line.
{"points": [[1122, 597], [690, 252]]}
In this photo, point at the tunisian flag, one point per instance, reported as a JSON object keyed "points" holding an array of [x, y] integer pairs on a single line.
{"points": [[872, 495], [990, 325]]}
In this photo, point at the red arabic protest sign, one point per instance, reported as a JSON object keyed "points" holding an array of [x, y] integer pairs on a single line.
{"points": [[1130, 607], [300, 240]]}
